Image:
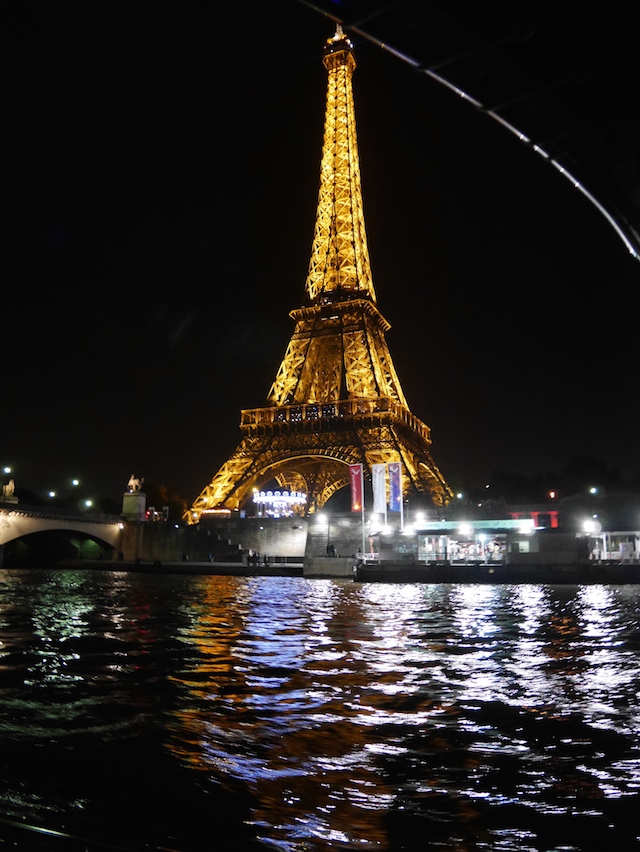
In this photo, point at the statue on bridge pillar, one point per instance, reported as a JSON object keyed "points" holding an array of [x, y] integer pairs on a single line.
{"points": [[134, 500], [8, 492], [135, 484]]}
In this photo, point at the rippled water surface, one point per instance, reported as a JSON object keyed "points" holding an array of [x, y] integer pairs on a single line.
{"points": [[214, 713]]}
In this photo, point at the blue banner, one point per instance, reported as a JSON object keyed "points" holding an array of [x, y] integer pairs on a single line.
{"points": [[395, 486]]}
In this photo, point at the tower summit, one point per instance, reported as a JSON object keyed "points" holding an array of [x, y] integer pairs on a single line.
{"points": [[339, 256], [336, 399]]}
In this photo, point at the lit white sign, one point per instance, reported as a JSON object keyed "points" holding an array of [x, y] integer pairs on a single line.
{"points": [[280, 498]]}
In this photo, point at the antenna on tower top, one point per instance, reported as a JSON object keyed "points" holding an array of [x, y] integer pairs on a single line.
{"points": [[338, 40]]}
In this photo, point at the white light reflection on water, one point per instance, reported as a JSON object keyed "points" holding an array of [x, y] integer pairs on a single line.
{"points": [[609, 671], [529, 680]]}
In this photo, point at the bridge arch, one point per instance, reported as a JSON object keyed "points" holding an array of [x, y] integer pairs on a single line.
{"points": [[30, 537]]}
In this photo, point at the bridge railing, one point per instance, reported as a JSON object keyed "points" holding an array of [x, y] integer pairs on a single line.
{"points": [[60, 513]]}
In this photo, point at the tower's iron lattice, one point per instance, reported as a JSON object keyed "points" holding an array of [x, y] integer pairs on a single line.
{"points": [[336, 399]]}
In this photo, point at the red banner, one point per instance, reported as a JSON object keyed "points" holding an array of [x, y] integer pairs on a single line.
{"points": [[355, 479]]}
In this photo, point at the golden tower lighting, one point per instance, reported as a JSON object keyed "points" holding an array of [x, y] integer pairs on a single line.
{"points": [[336, 399]]}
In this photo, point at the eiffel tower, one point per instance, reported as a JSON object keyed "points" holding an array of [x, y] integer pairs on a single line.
{"points": [[336, 399]]}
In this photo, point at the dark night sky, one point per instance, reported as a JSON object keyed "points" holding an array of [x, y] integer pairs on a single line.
{"points": [[159, 187]]}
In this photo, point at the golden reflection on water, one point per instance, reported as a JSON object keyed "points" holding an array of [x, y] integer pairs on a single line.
{"points": [[278, 701]]}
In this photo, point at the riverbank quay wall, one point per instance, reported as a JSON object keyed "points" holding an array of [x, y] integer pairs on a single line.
{"points": [[237, 539], [292, 537], [256, 546], [230, 538], [329, 567], [221, 539]]}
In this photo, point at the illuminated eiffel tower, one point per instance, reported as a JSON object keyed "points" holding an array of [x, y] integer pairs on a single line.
{"points": [[336, 399]]}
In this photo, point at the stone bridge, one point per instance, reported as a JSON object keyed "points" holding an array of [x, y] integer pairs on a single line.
{"points": [[21, 529]]}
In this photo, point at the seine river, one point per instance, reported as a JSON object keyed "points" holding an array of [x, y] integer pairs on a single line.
{"points": [[178, 712]]}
